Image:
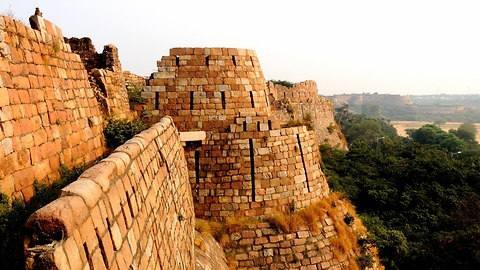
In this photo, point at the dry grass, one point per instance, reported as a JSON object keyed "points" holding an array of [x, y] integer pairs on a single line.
{"points": [[352, 264], [199, 243], [235, 224], [231, 262], [280, 222], [221, 231], [333, 207], [203, 226]]}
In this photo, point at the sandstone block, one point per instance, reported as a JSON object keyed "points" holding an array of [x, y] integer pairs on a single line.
{"points": [[63, 214], [88, 190], [73, 254], [4, 98]]}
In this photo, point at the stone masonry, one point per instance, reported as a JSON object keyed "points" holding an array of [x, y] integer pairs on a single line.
{"points": [[48, 113], [304, 99], [136, 208], [133, 210], [261, 246], [106, 76], [248, 165]]}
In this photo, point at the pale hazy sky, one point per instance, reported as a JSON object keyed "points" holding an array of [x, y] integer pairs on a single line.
{"points": [[396, 47]]}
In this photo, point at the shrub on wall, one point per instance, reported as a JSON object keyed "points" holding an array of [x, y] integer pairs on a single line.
{"points": [[282, 82], [118, 131], [134, 95]]}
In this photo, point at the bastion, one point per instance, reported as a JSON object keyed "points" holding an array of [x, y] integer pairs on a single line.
{"points": [[248, 165]]}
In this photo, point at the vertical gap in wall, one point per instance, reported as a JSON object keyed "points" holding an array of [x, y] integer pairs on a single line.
{"points": [[266, 98], [244, 125], [124, 216], [135, 198], [102, 248], [251, 59], [129, 204], [252, 168], [234, 61], [110, 233], [157, 100], [251, 99], [177, 60], [258, 125], [224, 102], [197, 167], [207, 60], [191, 100], [269, 124], [89, 258], [303, 161]]}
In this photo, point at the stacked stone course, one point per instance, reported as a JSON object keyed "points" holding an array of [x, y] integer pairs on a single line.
{"points": [[261, 246], [48, 113], [282, 177], [133, 210], [106, 76], [304, 99], [248, 165]]}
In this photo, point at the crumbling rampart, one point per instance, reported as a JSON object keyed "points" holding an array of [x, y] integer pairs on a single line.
{"points": [[306, 103], [133, 210], [48, 113], [106, 76]]}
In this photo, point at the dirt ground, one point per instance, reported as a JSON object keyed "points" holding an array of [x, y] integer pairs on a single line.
{"points": [[401, 126]]}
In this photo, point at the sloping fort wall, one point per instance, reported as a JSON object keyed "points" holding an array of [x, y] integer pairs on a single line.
{"points": [[248, 165], [133, 210], [48, 113]]}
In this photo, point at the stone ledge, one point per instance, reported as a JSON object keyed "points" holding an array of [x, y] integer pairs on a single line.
{"points": [[192, 136]]}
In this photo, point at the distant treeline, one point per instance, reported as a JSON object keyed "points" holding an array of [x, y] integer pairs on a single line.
{"points": [[435, 108]]}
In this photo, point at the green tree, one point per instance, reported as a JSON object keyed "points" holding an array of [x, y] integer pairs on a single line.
{"points": [[434, 135], [418, 201], [371, 110], [467, 132]]}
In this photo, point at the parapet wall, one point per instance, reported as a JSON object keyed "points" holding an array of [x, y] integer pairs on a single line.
{"points": [[301, 92], [48, 113], [133, 210], [306, 103]]}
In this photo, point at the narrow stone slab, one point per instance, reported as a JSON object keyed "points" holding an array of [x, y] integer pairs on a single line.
{"points": [[192, 136]]}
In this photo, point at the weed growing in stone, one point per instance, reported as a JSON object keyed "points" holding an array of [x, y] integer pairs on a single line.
{"points": [[118, 131], [134, 95]]}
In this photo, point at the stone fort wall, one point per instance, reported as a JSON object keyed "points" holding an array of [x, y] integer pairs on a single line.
{"points": [[263, 246], [106, 76], [375, 98], [243, 174], [247, 165], [133, 210], [48, 112], [305, 100]]}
